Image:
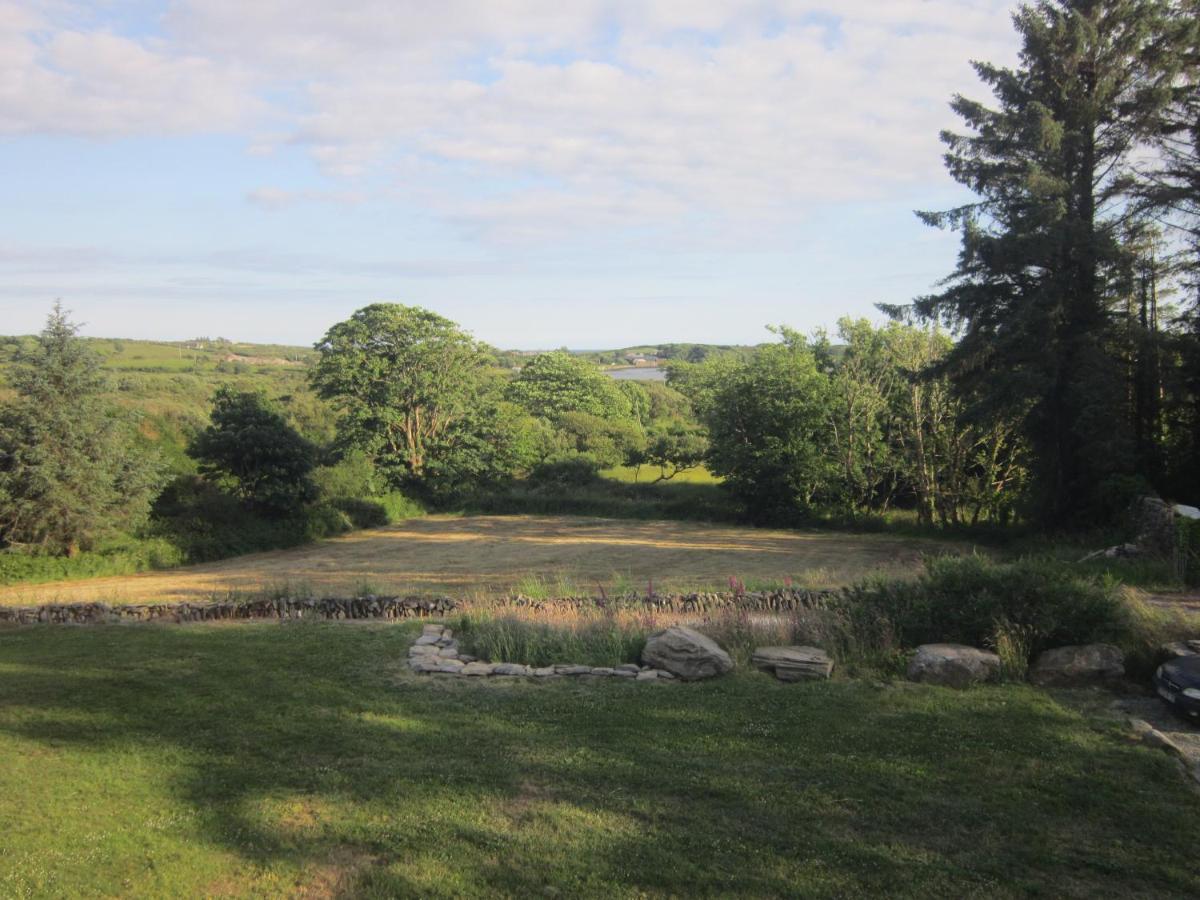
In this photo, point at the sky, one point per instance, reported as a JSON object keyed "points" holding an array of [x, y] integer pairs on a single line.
{"points": [[587, 173]]}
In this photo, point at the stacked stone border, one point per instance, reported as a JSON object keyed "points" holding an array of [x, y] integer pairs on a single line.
{"points": [[367, 607], [436, 652], [376, 607]]}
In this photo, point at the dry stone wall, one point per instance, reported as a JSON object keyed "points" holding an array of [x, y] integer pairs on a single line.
{"points": [[368, 607], [373, 607]]}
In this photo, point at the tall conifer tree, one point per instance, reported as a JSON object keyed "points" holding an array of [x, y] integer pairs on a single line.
{"points": [[1033, 292]]}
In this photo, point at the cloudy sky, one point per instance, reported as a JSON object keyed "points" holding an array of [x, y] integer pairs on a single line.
{"points": [[545, 172]]}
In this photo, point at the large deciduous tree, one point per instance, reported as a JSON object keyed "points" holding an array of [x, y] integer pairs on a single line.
{"points": [[553, 384], [1033, 292], [768, 425], [404, 379], [70, 472]]}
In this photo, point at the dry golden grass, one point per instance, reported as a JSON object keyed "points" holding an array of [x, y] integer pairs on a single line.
{"points": [[481, 556]]}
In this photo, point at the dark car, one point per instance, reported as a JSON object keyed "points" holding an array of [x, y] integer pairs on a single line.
{"points": [[1178, 682]]}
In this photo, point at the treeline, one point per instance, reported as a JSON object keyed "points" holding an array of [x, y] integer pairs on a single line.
{"points": [[1066, 380], [812, 428], [1077, 291]]}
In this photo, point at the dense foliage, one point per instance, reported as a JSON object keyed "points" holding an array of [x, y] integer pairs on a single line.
{"points": [[252, 446], [403, 379], [69, 473], [1056, 289]]}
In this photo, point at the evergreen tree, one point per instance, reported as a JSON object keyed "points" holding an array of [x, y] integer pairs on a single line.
{"points": [[69, 473], [1033, 293], [251, 445]]}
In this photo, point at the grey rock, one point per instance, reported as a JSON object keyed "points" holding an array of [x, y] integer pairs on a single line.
{"points": [[953, 665], [423, 650], [1078, 666], [573, 670], [628, 667], [478, 669], [545, 672], [625, 673], [686, 653], [510, 669], [648, 675], [1152, 737], [434, 629], [793, 663], [428, 640]]}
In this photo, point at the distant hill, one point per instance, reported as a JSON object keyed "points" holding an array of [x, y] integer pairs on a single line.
{"points": [[170, 383]]}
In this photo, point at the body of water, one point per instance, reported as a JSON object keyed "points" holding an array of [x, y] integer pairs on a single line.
{"points": [[644, 373]]}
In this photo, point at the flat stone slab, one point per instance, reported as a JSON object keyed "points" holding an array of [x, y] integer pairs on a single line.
{"points": [[1078, 666], [510, 669], [795, 663], [953, 665]]}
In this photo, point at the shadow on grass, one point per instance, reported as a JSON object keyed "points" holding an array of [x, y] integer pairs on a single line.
{"points": [[308, 750]]}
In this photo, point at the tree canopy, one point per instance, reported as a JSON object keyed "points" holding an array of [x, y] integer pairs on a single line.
{"points": [[1036, 286], [70, 471], [251, 446], [403, 378]]}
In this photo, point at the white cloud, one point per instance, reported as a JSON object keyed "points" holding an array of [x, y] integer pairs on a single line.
{"points": [[533, 117], [274, 199], [97, 83]]}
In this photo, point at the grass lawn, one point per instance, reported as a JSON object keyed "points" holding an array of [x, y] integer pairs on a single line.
{"points": [[262, 760]]}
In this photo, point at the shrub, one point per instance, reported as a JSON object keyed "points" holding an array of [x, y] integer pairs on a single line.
{"points": [[124, 557], [970, 600], [361, 513], [574, 469]]}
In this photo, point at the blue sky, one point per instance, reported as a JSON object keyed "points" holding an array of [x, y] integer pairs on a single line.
{"points": [[591, 174]]}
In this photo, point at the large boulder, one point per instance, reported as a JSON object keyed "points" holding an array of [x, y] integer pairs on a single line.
{"points": [[953, 665], [687, 653], [1155, 523], [793, 663], [1078, 666]]}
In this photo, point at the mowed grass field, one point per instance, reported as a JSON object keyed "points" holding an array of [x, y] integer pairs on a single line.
{"points": [[478, 556], [303, 760]]}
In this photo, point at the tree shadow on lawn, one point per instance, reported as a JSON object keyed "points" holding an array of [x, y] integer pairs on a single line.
{"points": [[309, 747]]}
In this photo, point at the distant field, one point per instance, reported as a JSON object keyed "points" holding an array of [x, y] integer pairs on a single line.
{"points": [[647, 474], [487, 555]]}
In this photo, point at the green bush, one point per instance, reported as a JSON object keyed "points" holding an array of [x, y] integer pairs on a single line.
{"points": [[206, 523], [398, 506], [567, 470], [361, 513], [970, 599], [126, 557]]}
